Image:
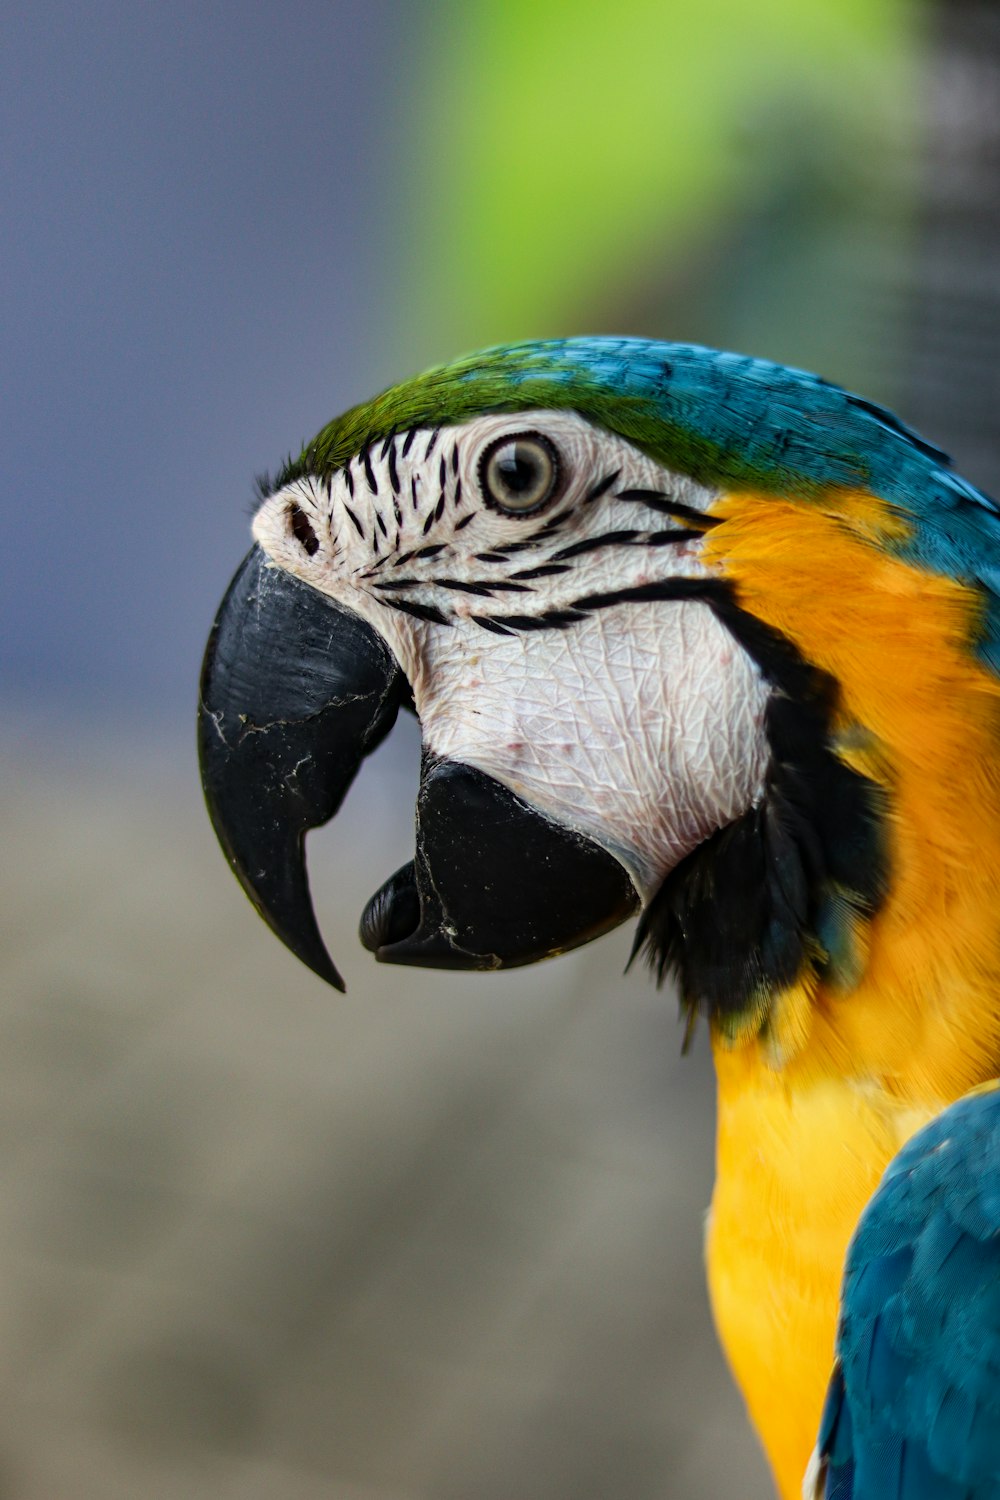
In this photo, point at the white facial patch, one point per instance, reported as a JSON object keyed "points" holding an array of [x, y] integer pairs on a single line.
{"points": [[640, 727], [531, 642]]}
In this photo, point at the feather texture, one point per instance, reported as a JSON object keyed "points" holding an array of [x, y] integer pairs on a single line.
{"points": [[727, 420], [913, 1410]]}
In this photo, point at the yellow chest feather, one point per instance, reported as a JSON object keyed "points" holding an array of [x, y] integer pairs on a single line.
{"points": [[795, 1169], [812, 1110]]}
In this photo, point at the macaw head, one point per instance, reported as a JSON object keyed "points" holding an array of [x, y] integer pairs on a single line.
{"points": [[645, 601]]}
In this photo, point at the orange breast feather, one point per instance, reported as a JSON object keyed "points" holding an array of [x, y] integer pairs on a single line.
{"points": [[811, 1110]]}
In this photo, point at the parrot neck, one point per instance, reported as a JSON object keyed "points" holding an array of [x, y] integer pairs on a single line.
{"points": [[811, 1112], [814, 1104], [794, 1169], [802, 1144], [917, 717]]}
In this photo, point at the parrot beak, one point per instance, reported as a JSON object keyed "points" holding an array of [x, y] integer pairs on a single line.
{"points": [[495, 884], [295, 692]]}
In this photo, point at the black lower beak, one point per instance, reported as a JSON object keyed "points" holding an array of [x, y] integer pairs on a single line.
{"points": [[295, 692], [495, 883]]}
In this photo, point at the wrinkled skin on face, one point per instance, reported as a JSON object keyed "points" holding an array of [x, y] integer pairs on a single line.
{"points": [[575, 692]]}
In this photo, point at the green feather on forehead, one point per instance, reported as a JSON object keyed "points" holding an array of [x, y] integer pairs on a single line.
{"points": [[619, 384], [722, 418], [727, 420]]}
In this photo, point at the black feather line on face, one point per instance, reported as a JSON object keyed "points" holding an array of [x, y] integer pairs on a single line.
{"points": [[662, 503], [552, 619], [601, 487], [492, 625], [553, 524], [484, 590], [592, 544], [665, 589], [544, 570], [426, 612], [560, 618], [483, 586], [672, 538], [774, 894]]}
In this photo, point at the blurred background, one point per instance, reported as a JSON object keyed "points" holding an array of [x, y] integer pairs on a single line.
{"points": [[439, 1239]]}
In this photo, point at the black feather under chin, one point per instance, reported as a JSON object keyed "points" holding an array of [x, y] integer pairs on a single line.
{"points": [[779, 891]]}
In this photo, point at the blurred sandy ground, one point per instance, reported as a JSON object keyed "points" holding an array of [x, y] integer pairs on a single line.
{"points": [[439, 1239]]}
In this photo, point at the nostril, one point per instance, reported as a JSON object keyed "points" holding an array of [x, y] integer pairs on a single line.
{"points": [[393, 913], [302, 530]]}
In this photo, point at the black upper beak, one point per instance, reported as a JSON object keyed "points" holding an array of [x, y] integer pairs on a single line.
{"points": [[295, 692]]}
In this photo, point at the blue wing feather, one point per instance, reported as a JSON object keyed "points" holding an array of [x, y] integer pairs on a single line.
{"points": [[913, 1410]]}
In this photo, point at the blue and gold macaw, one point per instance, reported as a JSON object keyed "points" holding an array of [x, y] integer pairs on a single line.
{"points": [[693, 636]]}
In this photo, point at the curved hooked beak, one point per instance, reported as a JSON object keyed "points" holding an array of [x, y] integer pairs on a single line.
{"points": [[295, 692]]}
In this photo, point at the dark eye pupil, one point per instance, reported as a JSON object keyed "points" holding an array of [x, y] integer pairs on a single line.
{"points": [[518, 470]]}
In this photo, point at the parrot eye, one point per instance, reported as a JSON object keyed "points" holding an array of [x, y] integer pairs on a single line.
{"points": [[519, 473]]}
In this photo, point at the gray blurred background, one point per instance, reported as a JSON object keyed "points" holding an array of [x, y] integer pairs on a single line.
{"points": [[439, 1239]]}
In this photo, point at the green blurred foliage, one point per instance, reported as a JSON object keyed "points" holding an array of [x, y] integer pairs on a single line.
{"points": [[700, 170]]}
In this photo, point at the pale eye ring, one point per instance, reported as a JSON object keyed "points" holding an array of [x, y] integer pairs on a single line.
{"points": [[519, 473]]}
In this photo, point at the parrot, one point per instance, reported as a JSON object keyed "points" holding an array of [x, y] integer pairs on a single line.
{"points": [[712, 643]]}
